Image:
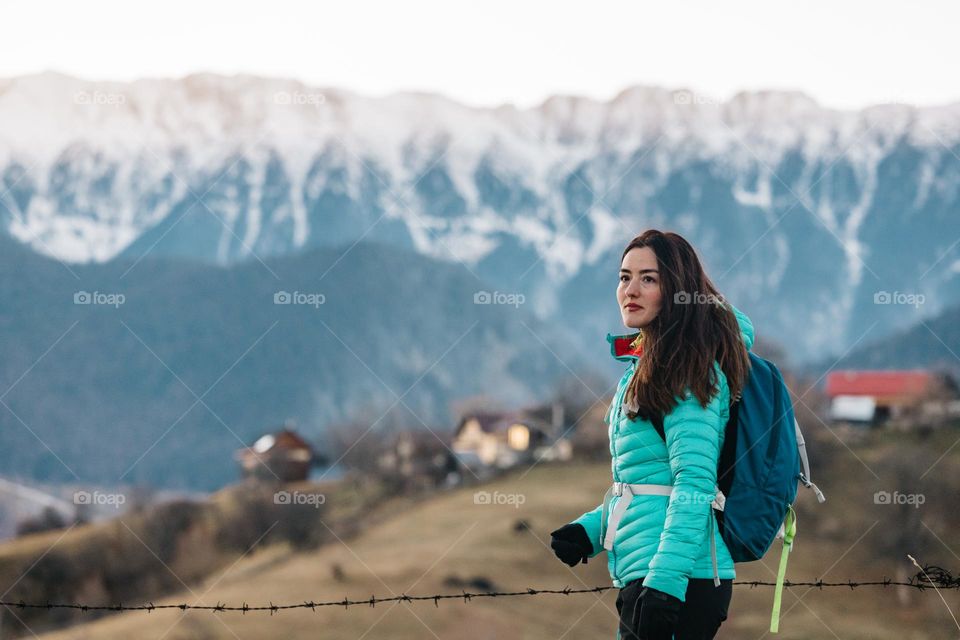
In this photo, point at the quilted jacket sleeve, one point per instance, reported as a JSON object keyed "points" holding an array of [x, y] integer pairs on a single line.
{"points": [[591, 522], [692, 434]]}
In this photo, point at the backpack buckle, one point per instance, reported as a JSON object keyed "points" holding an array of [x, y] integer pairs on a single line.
{"points": [[719, 501], [618, 489]]}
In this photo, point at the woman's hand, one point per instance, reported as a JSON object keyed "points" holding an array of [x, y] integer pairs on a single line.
{"points": [[571, 544], [659, 613]]}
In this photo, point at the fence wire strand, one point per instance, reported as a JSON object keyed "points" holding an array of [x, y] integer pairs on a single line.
{"points": [[930, 577]]}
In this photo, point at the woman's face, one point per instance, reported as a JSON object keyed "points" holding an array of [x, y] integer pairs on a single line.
{"points": [[638, 294]]}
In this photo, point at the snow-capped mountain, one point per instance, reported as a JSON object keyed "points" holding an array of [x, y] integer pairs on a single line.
{"points": [[803, 214]]}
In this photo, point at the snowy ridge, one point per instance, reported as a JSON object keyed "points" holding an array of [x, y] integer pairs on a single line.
{"points": [[794, 206], [122, 140]]}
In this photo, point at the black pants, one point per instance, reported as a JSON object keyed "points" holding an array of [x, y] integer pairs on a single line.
{"points": [[704, 609]]}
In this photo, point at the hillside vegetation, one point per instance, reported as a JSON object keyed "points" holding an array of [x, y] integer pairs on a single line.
{"points": [[449, 543]]}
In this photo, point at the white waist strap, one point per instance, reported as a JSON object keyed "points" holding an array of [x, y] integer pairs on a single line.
{"points": [[620, 488], [713, 549]]}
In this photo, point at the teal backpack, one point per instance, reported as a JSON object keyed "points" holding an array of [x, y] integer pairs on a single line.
{"points": [[758, 471]]}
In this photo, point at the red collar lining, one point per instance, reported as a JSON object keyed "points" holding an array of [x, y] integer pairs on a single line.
{"points": [[621, 347]]}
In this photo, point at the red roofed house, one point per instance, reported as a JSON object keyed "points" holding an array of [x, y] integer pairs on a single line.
{"points": [[878, 395], [281, 456]]}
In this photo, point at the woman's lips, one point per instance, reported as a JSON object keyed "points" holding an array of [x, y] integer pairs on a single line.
{"points": [[633, 307]]}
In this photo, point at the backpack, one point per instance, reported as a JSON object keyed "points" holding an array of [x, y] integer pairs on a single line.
{"points": [[758, 470]]}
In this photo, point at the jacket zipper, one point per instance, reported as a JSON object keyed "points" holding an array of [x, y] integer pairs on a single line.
{"points": [[624, 380]]}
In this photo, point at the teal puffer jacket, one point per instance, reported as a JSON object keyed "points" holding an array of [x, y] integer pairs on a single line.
{"points": [[664, 539]]}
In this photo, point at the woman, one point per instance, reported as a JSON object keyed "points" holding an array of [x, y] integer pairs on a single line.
{"points": [[686, 362]]}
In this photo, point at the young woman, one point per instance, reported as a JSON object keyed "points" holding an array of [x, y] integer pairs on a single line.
{"points": [[687, 361]]}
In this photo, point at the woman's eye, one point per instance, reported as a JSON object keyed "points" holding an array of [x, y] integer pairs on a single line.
{"points": [[649, 279], [622, 278]]}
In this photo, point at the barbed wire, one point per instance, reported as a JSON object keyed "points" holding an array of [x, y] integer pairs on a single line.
{"points": [[930, 577]]}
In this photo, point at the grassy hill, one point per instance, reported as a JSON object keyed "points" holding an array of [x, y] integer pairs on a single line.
{"points": [[418, 546]]}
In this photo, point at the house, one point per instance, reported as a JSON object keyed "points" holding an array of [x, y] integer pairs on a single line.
{"points": [[877, 396], [418, 460], [504, 439], [281, 455]]}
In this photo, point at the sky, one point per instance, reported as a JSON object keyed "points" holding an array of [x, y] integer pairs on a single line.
{"points": [[845, 54]]}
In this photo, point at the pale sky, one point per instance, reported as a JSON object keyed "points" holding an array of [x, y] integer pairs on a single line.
{"points": [[846, 54]]}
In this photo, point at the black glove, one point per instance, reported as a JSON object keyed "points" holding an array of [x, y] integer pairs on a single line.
{"points": [[659, 613], [571, 544]]}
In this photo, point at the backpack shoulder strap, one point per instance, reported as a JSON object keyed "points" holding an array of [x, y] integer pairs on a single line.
{"points": [[805, 462], [658, 425]]}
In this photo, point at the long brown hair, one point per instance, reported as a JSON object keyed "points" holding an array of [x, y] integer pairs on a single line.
{"points": [[694, 328]]}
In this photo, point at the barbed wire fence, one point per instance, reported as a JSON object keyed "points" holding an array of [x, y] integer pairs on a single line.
{"points": [[929, 577]]}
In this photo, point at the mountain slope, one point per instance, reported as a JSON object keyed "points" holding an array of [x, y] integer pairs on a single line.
{"points": [[802, 213], [929, 343], [197, 360]]}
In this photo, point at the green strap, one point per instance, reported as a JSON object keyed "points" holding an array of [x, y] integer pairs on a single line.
{"points": [[789, 532]]}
